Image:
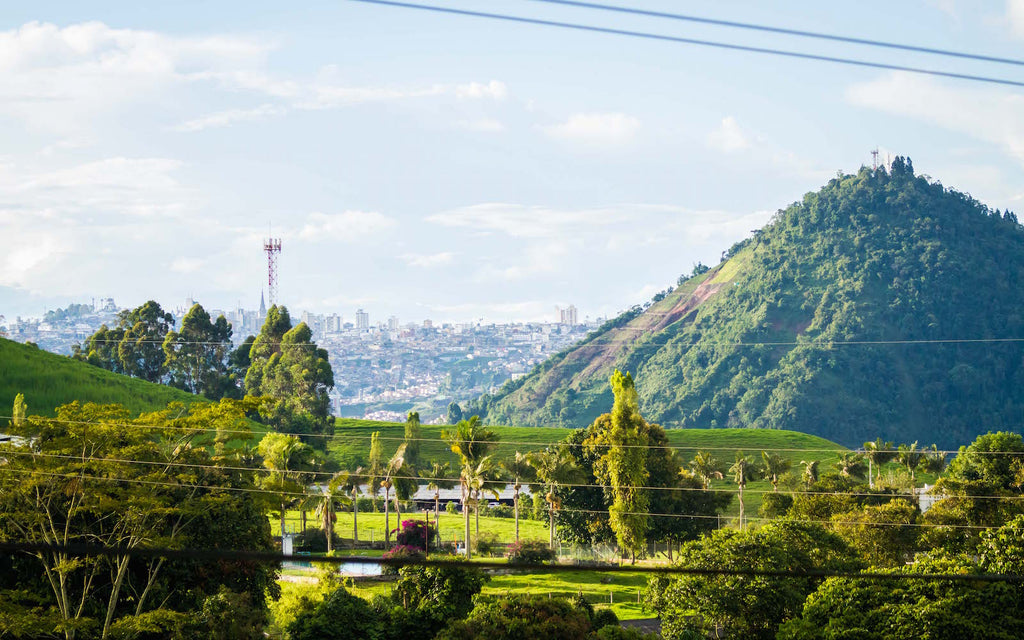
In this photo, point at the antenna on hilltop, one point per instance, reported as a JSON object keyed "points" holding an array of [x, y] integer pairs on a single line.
{"points": [[874, 159], [273, 248]]}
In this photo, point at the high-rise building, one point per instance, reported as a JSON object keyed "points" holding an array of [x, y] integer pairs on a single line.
{"points": [[569, 316], [393, 323], [362, 320]]}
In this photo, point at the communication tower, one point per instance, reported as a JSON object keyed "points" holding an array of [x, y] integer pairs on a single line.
{"points": [[273, 248]]}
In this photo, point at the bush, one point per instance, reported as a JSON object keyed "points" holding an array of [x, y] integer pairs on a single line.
{"points": [[529, 552], [369, 505], [539, 507], [518, 617], [340, 616], [451, 507], [401, 552], [416, 533], [502, 511], [486, 544], [605, 617], [313, 541], [775, 505]]}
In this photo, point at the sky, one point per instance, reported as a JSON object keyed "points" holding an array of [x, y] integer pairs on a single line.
{"points": [[453, 168]]}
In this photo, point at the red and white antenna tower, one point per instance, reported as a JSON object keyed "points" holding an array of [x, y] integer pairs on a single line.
{"points": [[273, 247]]}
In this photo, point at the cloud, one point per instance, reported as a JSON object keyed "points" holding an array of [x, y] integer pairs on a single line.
{"points": [[347, 226], [493, 90], [595, 129], [728, 137], [187, 265], [1015, 17], [230, 117], [989, 115], [59, 79], [527, 221], [429, 260], [483, 125]]}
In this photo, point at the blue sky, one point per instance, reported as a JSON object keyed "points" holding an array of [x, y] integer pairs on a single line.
{"points": [[444, 167]]}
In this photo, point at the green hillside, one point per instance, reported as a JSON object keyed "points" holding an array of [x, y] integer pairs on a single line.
{"points": [[49, 380], [882, 305]]}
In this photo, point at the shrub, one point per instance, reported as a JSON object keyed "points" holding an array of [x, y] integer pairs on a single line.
{"points": [[400, 552], [529, 552], [502, 511], [416, 533], [313, 541], [451, 507], [775, 505], [605, 617], [486, 544], [539, 507]]}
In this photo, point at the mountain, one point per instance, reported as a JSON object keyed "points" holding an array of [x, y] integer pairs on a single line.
{"points": [[49, 380], [883, 304]]}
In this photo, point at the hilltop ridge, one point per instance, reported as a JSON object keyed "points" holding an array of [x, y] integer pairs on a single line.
{"points": [[883, 304]]}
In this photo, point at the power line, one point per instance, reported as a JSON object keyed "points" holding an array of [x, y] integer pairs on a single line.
{"points": [[494, 483], [698, 42], [787, 31], [84, 550]]}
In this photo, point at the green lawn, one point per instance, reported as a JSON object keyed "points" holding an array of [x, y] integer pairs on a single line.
{"points": [[371, 526], [616, 590]]}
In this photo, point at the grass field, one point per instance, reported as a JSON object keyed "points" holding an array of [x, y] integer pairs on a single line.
{"points": [[49, 380], [371, 526]]}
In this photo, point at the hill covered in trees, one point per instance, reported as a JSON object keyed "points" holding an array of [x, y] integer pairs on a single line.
{"points": [[883, 304]]}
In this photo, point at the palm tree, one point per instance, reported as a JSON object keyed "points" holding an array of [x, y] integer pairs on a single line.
{"points": [[392, 468], [850, 465], [471, 442], [323, 504], [774, 466], [744, 470], [554, 467], [706, 467], [350, 484], [477, 479], [934, 460], [910, 456], [440, 478], [518, 469], [810, 472], [877, 453], [285, 457]]}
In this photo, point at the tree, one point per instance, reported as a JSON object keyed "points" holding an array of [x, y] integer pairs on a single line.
{"points": [[376, 466], [140, 351], [749, 607], [288, 367], [470, 441], [744, 470], [517, 468], [349, 483], [850, 465], [885, 535], [623, 466], [878, 453], [330, 495], [774, 466], [98, 476], [706, 468], [285, 458], [910, 457], [810, 475], [19, 411], [527, 616], [553, 467], [195, 356], [440, 478], [391, 469], [454, 413]]}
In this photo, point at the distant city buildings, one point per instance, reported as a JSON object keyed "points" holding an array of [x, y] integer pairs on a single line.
{"points": [[385, 367], [568, 316]]}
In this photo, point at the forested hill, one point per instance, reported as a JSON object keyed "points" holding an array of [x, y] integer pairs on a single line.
{"points": [[882, 305]]}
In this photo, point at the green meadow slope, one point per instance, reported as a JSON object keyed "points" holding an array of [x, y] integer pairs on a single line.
{"points": [[49, 380]]}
